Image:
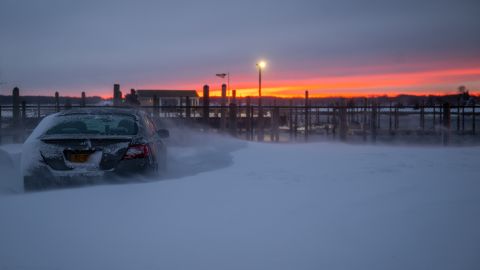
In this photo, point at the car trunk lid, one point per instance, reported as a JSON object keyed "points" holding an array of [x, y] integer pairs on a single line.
{"points": [[91, 153]]}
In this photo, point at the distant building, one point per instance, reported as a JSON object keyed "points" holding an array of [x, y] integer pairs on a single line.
{"points": [[167, 97]]}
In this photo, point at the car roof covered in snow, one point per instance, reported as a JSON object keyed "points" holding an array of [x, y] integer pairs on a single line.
{"points": [[105, 110]]}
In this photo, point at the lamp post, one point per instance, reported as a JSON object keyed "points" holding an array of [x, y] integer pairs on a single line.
{"points": [[260, 65]]}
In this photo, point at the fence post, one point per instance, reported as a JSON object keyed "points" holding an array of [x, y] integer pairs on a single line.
{"points": [[343, 122], [434, 117], [21, 132], [441, 115], [57, 102], [276, 132], [272, 120], [156, 105], [379, 115], [274, 124], [248, 121], [334, 120], [16, 106], [446, 123], [364, 114], [260, 121], [206, 105], [1, 120], [233, 119], [390, 118], [295, 125], [422, 116], [83, 101], [397, 119], [373, 122], [223, 109], [458, 114], [38, 110], [24, 111], [473, 119], [306, 115], [290, 118]]}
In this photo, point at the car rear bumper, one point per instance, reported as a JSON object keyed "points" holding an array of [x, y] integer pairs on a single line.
{"points": [[43, 177]]}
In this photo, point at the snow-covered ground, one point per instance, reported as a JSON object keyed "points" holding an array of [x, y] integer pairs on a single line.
{"points": [[228, 204]]}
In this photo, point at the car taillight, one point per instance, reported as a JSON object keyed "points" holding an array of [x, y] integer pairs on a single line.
{"points": [[136, 151]]}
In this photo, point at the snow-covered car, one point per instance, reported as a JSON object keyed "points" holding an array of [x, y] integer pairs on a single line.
{"points": [[86, 145]]}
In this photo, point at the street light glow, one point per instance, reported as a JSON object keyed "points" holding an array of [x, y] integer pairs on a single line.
{"points": [[261, 64]]}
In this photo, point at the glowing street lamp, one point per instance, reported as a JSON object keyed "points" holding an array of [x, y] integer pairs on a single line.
{"points": [[260, 65]]}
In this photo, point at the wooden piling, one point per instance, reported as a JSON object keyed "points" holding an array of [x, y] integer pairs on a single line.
{"points": [[38, 111], [249, 120], [83, 101], [1, 124], [334, 120], [260, 122], [276, 126], [458, 115], [57, 102], [306, 119], [24, 111], [446, 123], [16, 106], [373, 122], [232, 119], [223, 109], [397, 117], [379, 115], [206, 105], [343, 122], [390, 118], [295, 124], [364, 120], [290, 118], [117, 95], [473, 119], [422, 116], [156, 105], [440, 116]]}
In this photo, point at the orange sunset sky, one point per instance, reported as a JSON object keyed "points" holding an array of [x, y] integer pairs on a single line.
{"points": [[373, 81]]}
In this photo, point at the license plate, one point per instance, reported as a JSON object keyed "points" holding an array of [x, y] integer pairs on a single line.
{"points": [[79, 158]]}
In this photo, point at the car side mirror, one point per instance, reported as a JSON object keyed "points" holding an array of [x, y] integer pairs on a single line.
{"points": [[163, 133]]}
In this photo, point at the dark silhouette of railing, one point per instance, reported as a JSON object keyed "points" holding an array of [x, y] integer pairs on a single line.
{"points": [[278, 123], [250, 121]]}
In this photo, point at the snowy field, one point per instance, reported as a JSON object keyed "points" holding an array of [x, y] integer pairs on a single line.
{"points": [[228, 204]]}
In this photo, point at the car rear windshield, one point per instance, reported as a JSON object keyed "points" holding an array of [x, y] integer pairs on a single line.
{"points": [[98, 124]]}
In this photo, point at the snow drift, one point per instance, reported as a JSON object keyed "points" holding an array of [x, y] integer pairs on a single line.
{"points": [[261, 206]]}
